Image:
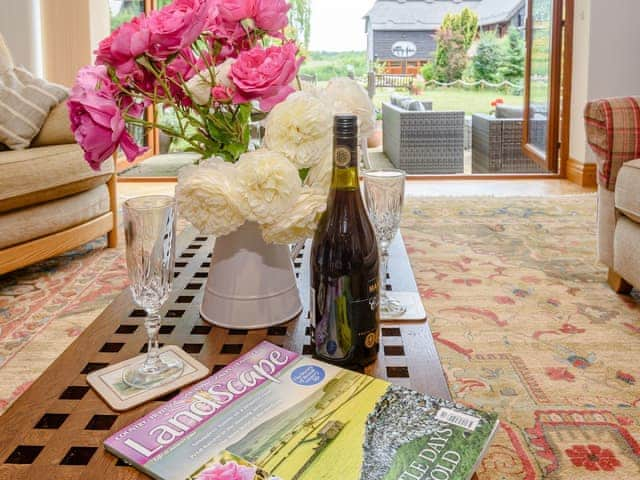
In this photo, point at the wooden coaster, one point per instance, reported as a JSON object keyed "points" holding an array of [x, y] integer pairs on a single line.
{"points": [[415, 310], [120, 397]]}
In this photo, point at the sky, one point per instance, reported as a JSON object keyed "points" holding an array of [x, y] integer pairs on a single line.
{"points": [[337, 25]]}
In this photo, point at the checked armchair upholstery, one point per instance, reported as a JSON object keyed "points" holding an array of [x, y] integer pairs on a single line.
{"points": [[613, 133]]}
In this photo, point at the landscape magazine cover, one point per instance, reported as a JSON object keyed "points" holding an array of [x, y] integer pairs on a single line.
{"points": [[276, 415]]}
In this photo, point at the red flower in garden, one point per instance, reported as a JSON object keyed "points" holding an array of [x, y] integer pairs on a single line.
{"points": [[593, 458], [496, 102], [559, 373]]}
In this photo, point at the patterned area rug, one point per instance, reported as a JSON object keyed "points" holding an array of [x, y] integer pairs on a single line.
{"points": [[523, 321], [525, 326], [43, 308]]}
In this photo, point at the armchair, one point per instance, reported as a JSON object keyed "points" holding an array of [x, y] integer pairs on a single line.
{"points": [[613, 133]]}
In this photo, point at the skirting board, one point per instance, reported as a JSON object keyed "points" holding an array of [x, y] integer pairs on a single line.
{"points": [[583, 174]]}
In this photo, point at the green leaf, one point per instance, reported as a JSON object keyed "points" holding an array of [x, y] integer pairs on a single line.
{"points": [[304, 173]]}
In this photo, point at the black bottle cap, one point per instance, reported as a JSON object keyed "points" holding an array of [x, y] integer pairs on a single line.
{"points": [[345, 126]]}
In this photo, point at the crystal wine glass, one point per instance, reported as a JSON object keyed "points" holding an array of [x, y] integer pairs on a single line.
{"points": [[384, 193], [150, 232]]}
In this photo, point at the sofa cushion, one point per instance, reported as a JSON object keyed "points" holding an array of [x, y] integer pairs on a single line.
{"points": [[37, 175], [29, 223], [628, 190], [25, 102], [56, 129], [6, 62]]}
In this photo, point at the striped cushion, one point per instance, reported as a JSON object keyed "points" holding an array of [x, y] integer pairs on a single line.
{"points": [[613, 132], [25, 102]]}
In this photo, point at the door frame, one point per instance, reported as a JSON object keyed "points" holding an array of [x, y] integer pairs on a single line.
{"points": [[556, 156]]}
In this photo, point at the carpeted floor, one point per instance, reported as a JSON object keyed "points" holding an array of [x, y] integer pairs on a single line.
{"points": [[523, 321]]}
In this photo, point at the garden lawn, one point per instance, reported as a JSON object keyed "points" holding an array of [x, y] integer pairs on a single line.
{"points": [[450, 98]]}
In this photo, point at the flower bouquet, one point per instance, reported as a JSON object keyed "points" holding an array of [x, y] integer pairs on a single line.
{"points": [[216, 63]]}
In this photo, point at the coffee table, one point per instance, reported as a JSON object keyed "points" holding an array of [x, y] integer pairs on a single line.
{"points": [[55, 430]]}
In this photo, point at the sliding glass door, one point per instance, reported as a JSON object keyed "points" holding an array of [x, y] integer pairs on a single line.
{"points": [[547, 81]]}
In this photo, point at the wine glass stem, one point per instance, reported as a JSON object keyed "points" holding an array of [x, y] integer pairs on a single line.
{"points": [[384, 259], [152, 324]]}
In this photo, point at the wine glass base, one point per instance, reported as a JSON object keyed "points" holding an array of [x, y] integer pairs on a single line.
{"points": [[391, 307], [163, 372]]}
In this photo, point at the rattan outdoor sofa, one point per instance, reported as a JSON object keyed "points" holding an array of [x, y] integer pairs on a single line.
{"points": [[423, 142], [497, 143]]}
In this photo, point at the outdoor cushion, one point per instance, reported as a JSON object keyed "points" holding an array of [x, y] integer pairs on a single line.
{"points": [[404, 104], [628, 190], [613, 133], [416, 106], [37, 175], [513, 112], [398, 98], [38, 221], [56, 129]]}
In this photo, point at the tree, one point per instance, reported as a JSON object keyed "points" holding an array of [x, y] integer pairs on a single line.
{"points": [[512, 67], [464, 23], [300, 21], [451, 56], [455, 36], [488, 59]]}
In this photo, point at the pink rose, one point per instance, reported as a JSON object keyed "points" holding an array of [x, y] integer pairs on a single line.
{"points": [[96, 119], [265, 75], [177, 26], [222, 94], [121, 49], [237, 10], [228, 471], [125, 44], [271, 15]]}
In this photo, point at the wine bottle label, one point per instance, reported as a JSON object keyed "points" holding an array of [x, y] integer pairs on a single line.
{"points": [[344, 324], [342, 157]]}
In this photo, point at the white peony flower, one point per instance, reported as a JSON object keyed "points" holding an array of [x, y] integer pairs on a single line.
{"points": [[201, 84], [300, 222], [320, 175], [209, 198], [300, 129], [348, 96], [269, 184]]}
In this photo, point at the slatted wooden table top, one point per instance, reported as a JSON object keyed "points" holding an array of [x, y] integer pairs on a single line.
{"points": [[56, 429]]}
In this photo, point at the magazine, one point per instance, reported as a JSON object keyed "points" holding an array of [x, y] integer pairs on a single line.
{"points": [[276, 415]]}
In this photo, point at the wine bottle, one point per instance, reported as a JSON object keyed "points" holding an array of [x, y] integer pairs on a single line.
{"points": [[344, 304]]}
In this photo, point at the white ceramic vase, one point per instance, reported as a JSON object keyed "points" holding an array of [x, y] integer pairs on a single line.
{"points": [[251, 284]]}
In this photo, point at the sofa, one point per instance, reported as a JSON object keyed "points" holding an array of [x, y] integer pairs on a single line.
{"points": [[51, 201], [497, 141], [613, 133], [421, 141]]}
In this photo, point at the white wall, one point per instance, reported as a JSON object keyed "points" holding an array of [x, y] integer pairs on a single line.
{"points": [[579, 88], [20, 26], [606, 60]]}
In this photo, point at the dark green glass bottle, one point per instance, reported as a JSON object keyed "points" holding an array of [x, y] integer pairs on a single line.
{"points": [[345, 317]]}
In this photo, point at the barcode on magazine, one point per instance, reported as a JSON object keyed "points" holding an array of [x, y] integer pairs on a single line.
{"points": [[463, 420]]}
